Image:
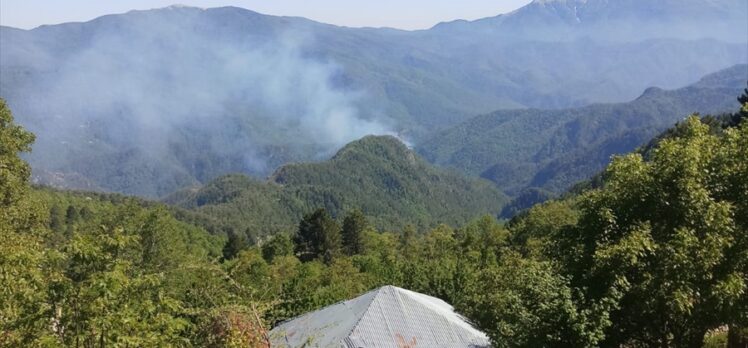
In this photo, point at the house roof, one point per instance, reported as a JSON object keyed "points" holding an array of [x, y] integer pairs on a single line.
{"points": [[385, 317]]}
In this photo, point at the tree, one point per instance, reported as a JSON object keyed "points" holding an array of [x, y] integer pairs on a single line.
{"points": [[533, 229], [525, 303], [71, 215], [736, 118], [408, 241], [24, 314], [278, 246], [666, 241], [56, 220], [318, 236], [354, 225], [14, 172], [235, 243]]}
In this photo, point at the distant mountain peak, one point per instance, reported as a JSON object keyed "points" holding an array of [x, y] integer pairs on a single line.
{"points": [[544, 2], [387, 146], [181, 6]]}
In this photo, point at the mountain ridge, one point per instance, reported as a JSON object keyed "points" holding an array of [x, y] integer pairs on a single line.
{"points": [[377, 174], [580, 140], [238, 91], [554, 20]]}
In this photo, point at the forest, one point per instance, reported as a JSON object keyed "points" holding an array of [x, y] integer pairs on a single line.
{"points": [[654, 252]]}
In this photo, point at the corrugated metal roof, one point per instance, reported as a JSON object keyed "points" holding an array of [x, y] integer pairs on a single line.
{"points": [[385, 317]]}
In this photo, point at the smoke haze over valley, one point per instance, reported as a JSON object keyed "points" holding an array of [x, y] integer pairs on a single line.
{"points": [[148, 102]]}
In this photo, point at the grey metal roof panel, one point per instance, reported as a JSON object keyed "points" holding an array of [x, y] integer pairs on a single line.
{"points": [[385, 317]]}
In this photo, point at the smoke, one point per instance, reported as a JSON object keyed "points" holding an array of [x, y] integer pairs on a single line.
{"points": [[186, 93]]}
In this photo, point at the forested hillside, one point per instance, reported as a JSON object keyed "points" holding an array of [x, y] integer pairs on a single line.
{"points": [[657, 255], [226, 90], [553, 149], [378, 175]]}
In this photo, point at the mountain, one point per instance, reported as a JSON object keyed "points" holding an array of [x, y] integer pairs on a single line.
{"points": [[613, 20], [148, 102], [553, 149], [377, 174]]}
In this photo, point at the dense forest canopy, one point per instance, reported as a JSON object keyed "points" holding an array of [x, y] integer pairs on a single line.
{"points": [[656, 255], [377, 174], [551, 150]]}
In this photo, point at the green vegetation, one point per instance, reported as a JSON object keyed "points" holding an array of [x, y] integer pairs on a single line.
{"points": [[663, 242], [103, 273], [377, 174], [657, 255], [554, 149]]}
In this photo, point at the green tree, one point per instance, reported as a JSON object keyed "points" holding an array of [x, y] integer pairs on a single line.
{"points": [[14, 172], [666, 240], [408, 241], [56, 220], [743, 113], [234, 244], [318, 237], [107, 299], [71, 215], [354, 226], [24, 275], [525, 303], [533, 229], [278, 246]]}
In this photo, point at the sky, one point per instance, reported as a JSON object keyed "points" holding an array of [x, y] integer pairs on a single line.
{"points": [[402, 14]]}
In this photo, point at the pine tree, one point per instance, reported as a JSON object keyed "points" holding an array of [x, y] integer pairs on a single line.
{"points": [[354, 226], [71, 215], [55, 219], [318, 237], [743, 113], [236, 243]]}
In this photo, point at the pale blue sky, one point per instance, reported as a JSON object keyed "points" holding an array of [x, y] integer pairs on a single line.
{"points": [[404, 14]]}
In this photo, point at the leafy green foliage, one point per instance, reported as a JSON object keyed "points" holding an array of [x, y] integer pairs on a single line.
{"points": [[102, 273], [234, 244], [23, 261], [278, 246], [666, 239], [14, 172], [526, 303]]}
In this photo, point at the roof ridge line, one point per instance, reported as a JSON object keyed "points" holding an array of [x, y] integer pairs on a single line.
{"points": [[365, 310], [411, 293], [330, 305]]}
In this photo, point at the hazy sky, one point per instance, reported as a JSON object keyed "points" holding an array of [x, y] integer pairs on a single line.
{"points": [[405, 14]]}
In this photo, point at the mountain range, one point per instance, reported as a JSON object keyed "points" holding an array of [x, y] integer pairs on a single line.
{"points": [[614, 20], [148, 102], [554, 149]]}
